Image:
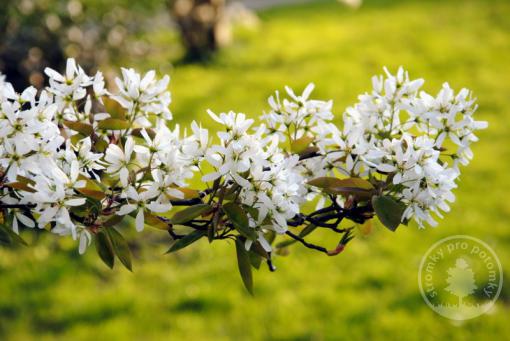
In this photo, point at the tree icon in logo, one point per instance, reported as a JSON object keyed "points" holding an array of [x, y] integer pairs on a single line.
{"points": [[461, 280]]}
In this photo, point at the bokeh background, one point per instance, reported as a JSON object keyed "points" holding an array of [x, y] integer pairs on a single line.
{"points": [[47, 291]]}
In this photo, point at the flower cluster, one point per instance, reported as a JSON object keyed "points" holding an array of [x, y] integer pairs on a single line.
{"points": [[268, 180], [77, 158], [407, 138]]}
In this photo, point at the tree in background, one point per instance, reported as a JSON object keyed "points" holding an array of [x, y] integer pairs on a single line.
{"points": [[202, 24], [27, 45], [35, 34]]}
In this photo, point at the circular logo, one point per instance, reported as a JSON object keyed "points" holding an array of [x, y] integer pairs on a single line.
{"points": [[460, 277]]}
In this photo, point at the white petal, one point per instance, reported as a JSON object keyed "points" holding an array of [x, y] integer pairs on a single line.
{"points": [[84, 242], [139, 220], [75, 202], [211, 176], [25, 220], [124, 175], [15, 225], [126, 209], [54, 74]]}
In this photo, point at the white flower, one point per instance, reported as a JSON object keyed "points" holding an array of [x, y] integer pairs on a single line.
{"points": [[72, 83], [138, 201], [119, 160], [410, 145], [156, 145], [236, 124], [146, 94], [85, 239]]}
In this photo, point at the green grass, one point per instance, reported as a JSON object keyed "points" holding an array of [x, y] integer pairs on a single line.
{"points": [[370, 292]]}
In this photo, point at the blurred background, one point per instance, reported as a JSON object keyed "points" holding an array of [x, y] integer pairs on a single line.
{"points": [[224, 55]]}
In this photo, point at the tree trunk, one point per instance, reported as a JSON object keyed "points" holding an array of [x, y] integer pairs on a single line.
{"points": [[26, 49], [201, 24]]}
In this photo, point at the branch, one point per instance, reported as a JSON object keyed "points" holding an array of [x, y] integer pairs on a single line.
{"points": [[307, 244], [23, 206], [188, 202]]}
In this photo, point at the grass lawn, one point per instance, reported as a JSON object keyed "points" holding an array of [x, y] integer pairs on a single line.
{"points": [[47, 291]]}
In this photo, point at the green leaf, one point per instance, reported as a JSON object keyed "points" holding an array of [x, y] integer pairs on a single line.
{"points": [[120, 247], [244, 264], [188, 192], [258, 249], [358, 187], [104, 249], [153, 221], [285, 243], [301, 144], [239, 219], [17, 238], [307, 230], [190, 213], [138, 132], [114, 124], [211, 229], [91, 193], [252, 211], [255, 259], [83, 128], [114, 220], [101, 146], [388, 210], [25, 180], [5, 237], [20, 186], [22, 183], [8, 236], [186, 240], [113, 108]]}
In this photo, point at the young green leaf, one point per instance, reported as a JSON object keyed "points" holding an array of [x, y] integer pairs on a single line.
{"points": [[120, 247], [20, 186], [100, 146], [7, 235], [307, 230], [91, 193], [114, 220], [211, 229], [244, 264], [258, 249], [17, 238], [358, 187], [153, 221], [285, 243], [113, 124], [190, 213], [104, 249], [186, 240], [300, 145], [255, 259], [4, 236], [83, 128], [239, 219], [388, 211], [188, 192], [138, 132]]}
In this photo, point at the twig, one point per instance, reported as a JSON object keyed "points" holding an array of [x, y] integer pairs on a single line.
{"points": [[305, 243]]}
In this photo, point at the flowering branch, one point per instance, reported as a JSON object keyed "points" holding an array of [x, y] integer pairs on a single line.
{"points": [[78, 159]]}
